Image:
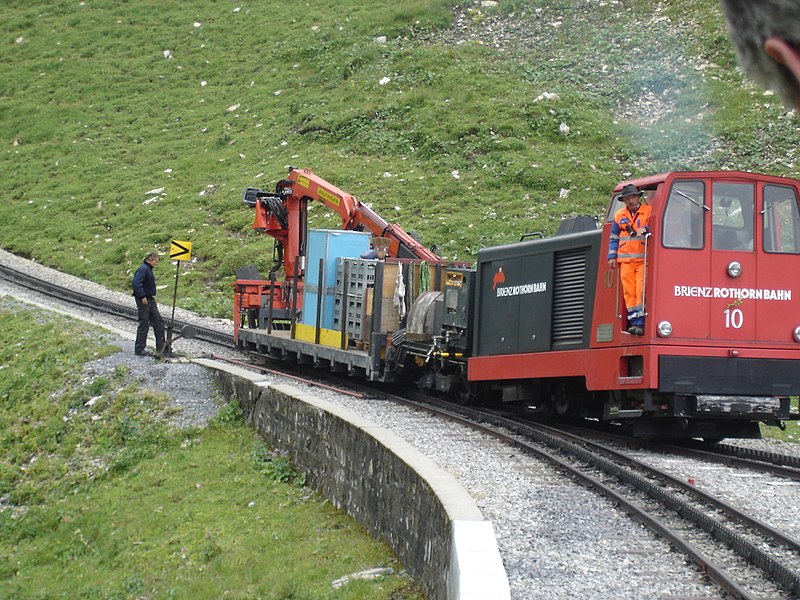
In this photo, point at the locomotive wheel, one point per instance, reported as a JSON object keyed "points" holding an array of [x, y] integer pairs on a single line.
{"points": [[425, 383], [562, 402], [466, 394]]}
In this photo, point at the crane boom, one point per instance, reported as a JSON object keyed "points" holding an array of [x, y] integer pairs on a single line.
{"points": [[283, 215]]}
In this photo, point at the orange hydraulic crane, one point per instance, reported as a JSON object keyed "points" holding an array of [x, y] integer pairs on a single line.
{"points": [[282, 214]]}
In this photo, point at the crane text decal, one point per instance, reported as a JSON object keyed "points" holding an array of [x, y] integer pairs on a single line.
{"points": [[690, 291], [328, 197]]}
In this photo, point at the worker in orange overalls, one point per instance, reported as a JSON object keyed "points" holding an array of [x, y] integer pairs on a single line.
{"points": [[627, 247]]}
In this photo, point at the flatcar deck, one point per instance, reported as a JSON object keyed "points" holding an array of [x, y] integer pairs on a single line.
{"points": [[279, 345]]}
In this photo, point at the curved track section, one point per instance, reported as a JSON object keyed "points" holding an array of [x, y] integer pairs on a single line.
{"points": [[746, 558], [93, 303]]}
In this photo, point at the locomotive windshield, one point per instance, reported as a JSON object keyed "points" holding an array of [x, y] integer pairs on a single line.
{"points": [[781, 220], [732, 212], [683, 216], [733, 217]]}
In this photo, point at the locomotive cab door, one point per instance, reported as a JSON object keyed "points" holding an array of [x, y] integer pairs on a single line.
{"points": [[612, 277], [778, 229], [734, 262]]}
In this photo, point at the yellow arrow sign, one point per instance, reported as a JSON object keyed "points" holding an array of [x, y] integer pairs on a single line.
{"points": [[180, 250]]}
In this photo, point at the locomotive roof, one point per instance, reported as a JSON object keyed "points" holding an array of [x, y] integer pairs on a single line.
{"points": [[653, 180]]}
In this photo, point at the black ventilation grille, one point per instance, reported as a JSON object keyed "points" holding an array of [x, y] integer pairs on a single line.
{"points": [[569, 297]]}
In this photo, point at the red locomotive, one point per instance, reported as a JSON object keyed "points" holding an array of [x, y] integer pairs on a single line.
{"points": [[542, 321]]}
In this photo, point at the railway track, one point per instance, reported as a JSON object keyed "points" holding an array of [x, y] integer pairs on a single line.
{"points": [[762, 461], [767, 462], [93, 303], [743, 556]]}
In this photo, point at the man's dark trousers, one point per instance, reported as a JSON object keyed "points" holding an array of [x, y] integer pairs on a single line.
{"points": [[148, 315]]}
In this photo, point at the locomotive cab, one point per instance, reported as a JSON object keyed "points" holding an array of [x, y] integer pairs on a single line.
{"points": [[722, 311]]}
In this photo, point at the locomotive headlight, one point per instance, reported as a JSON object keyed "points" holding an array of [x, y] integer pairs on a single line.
{"points": [[665, 329], [735, 269], [797, 334]]}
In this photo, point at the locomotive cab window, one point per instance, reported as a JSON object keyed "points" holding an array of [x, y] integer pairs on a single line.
{"points": [[683, 216], [781, 220], [732, 216]]}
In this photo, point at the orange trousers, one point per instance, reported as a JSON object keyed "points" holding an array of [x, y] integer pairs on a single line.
{"points": [[632, 276]]}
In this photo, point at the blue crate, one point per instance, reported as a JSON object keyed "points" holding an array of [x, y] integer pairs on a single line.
{"points": [[328, 245]]}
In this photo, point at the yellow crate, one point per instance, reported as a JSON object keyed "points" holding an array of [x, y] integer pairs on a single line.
{"points": [[327, 337]]}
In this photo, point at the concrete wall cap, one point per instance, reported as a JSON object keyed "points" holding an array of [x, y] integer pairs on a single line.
{"points": [[231, 369]]}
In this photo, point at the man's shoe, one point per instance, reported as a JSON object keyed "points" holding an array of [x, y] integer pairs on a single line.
{"points": [[143, 353], [638, 331]]}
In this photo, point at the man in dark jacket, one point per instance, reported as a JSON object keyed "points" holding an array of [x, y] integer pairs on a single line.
{"points": [[144, 291]]}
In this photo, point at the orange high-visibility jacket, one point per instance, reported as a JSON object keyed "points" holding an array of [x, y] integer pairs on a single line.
{"points": [[625, 245]]}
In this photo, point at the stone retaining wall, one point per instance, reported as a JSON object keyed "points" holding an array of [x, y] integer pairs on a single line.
{"points": [[390, 488]]}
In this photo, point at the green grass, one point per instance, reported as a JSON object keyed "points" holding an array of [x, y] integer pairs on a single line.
{"points": [[99, 498], [790, 434], [93, 116]]}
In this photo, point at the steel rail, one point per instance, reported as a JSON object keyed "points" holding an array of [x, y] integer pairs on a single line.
{"points": [[753, 454], [773, 464], [780, 465], [476, 419], [118, 310], [784, 575], [305, 380], [733, 512]]}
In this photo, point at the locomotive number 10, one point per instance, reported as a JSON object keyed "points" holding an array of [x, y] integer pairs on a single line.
{"points": [[734, 318]]}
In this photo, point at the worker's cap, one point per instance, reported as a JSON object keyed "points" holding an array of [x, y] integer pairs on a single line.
{"points": [[630, 190]]}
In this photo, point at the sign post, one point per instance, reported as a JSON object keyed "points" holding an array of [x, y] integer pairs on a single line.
{"points": [[178, 251]]}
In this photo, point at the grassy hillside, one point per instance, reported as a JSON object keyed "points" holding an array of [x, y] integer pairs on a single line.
{"points": [[125, 124]]}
